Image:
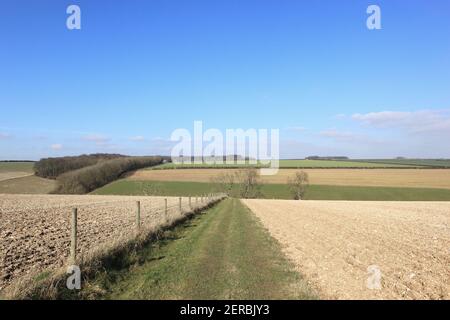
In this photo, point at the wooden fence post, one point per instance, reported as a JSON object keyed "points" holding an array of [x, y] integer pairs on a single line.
{"points": [[73, 237], [138, 216], [179, 203], [165, 210]]}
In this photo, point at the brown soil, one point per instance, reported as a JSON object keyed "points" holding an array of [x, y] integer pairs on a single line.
{"points": [[35, 229], [333, 243]]}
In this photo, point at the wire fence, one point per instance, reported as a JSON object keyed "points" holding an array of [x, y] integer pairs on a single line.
{"points": [[40, 232]]}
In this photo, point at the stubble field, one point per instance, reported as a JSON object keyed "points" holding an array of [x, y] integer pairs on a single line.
{"points": [[333, 243], [11, 170], [420, 178], [35, 229]]}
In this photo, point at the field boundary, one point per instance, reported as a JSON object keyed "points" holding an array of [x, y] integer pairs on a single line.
{"points": [[337, 248], [280, 191], [17, 177], [289, 167], [50, 283]]}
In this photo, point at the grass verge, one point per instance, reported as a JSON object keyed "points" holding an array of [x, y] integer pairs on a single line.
{"points": [[222, 254], [51, 284]]}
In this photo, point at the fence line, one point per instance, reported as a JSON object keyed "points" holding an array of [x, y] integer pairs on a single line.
{"points": [[151, 210]]}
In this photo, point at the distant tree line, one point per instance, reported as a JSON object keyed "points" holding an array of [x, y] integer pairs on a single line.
{"points": [[89, 178], [326, 158], [211, 158], [53, 167]]}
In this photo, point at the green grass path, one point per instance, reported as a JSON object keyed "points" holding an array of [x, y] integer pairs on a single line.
{"points": [[224, 253]]}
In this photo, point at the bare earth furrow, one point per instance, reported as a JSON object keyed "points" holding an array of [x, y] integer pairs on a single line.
{"points": [[35, 229], [334, 242]]}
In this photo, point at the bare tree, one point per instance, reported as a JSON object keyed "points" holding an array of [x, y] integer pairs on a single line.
{"points": [[249, 185], [298, 184], [224, 183]]}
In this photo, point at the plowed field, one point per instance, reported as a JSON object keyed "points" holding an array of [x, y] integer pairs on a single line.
{"points": [[337, 245], [35, 229]]}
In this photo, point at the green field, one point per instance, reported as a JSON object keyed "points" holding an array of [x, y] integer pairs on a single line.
{"points": [[171, 165], [16, 166], [27, 185], [438, 163], [296, 164], [337, 164], [15, 181], [223, 253], [277, 191]]}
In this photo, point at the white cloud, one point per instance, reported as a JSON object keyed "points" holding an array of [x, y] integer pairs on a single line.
{"points": [[137, 138], [423, 121], [56, 146]]}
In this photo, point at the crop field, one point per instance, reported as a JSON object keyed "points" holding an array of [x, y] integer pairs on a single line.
{"points": [[16, 166], [276, 191], [339, 245], [420, 178], [410, 162], [27, 185], [17, 177], [35, 229], [171, 165], [340, 164], [296, 164], [11, 170]]}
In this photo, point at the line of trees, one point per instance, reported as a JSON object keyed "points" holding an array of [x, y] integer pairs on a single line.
{"points": [[95, 176], [326, 158], [51, 168], [246, 184]]}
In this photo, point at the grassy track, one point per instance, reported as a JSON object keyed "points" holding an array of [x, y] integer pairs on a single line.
{"points": [[222, 254], [279, 191]]}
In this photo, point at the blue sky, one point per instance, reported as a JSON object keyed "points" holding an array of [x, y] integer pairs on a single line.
{"points": [[137, 70]]}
